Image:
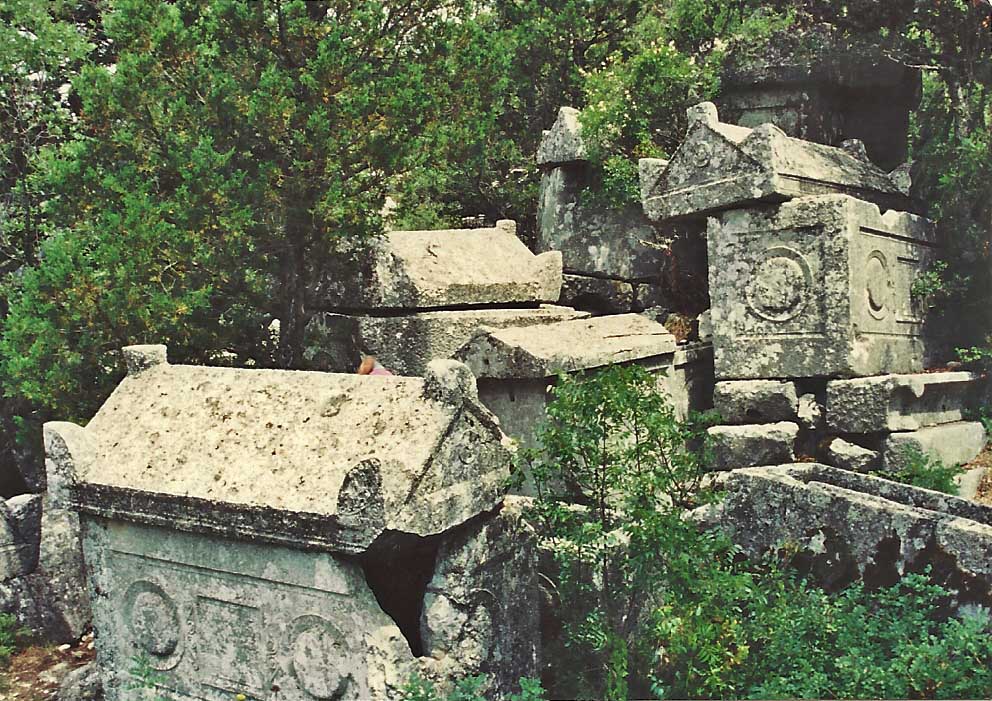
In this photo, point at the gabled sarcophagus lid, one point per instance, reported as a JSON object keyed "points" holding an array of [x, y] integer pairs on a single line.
{"points": [[567, 346], [444, 269], [306, 459], [721, 166]]}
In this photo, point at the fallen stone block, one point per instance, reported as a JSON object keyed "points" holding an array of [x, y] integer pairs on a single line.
{"points": [[845, 526], [721, 166], [406, 344], [951, 444], [743, 446], [755, 401], [850, 456], [817, 287], [440, 269], [899, 402]]}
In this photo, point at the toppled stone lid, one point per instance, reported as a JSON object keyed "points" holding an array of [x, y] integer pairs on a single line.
{"points": [[449, 268], [721, 166], [313, 459], [566, 346]]}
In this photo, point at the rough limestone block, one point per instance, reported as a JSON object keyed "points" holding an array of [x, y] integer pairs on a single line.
{"points": [[755, 401], [745, 446], [853, 457], [234, 452], [563, 142], [440, 269], [899, 402], [567, 346], [720, 166], [848, 525], [217, 617], [615, 242], [601, 295], [407, 344], [481, 609], [817, 287], [951, 444]]}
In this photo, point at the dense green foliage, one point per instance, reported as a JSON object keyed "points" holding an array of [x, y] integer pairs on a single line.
{"points": [[469, 689], [652, 607], [11, 637], [922, 470]]}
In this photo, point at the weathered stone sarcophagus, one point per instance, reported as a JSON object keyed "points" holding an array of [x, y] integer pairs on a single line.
{"points": [[721, 166], [817, 287], [272, 533], [418, 295]]}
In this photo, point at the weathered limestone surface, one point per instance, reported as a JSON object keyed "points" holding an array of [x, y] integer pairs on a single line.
{"points": [[481, 611], [439, 269], [850, 456], [407, 344], [899, 402], [20, 535], [823, 85], [951, 444], [721, 166], [563, 142], [816, 287], [755, 401], [211, 450], [744, 446], [218, 617], [601, 295], [848, 525], [812, 414], [567, 346]]}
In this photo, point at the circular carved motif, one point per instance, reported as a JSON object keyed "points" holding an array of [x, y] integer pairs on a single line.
{"points": [[702, 155], [154, 623], [877, 284], [780, 285], [318, 657]]}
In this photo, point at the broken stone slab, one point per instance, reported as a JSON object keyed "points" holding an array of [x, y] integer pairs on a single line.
{"points": [[440, 269], [563, 142], [900, 402], [848, 526], [594, 239], [952, 444], [721, 166], [481, 608], [969, 482], [406, 344], [817, 287], [320, 460], [812, 414], [755, 401], [600, 295], [743, 446], [850, 456], [567, 346]]}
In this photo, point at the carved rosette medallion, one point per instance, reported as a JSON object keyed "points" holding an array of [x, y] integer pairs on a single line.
{"points": [[319, 657], [153, 620], [780, 285], [702, 154], [877, 284]]}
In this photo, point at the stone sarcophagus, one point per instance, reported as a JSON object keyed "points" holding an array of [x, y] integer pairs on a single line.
{"points": [[722, 166], [816, 287], [273, 533]]}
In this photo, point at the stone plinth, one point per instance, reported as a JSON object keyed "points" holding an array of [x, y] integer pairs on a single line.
{"points": [[419, 270], [900, 402], [721, 166], [406, 344], [816, 287]]}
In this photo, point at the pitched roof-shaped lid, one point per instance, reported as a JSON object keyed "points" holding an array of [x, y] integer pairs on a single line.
{"points": [[566, 346], [563, 142], [721, 166], [296, 442], [446, 268]]}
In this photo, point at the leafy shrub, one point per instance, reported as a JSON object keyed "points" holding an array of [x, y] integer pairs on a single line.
{"points": [[468, 689], [921, 470], [12, 636]]}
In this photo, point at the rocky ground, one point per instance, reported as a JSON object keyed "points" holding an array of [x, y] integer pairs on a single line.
{"points": [[985, 487], [35, 673]]}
